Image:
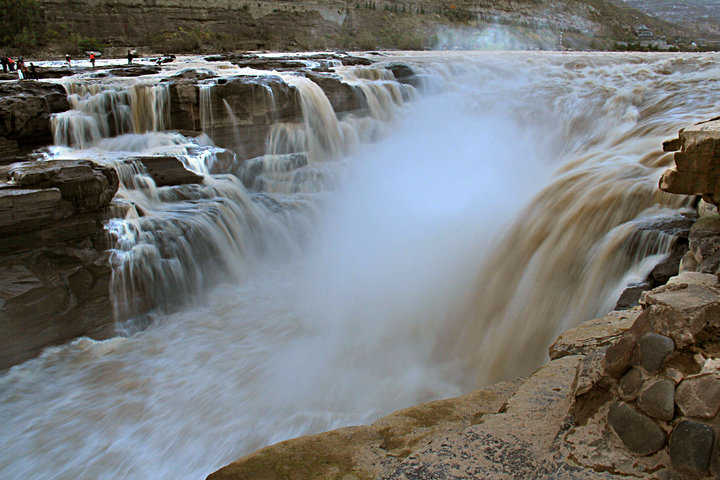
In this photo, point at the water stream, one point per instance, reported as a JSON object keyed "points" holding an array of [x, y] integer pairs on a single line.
{"points": [[370, 262]]}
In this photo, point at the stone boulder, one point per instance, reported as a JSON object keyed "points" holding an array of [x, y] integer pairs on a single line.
{"points": [[697, 164], [167, 171], [135, 70], [25, 110]]}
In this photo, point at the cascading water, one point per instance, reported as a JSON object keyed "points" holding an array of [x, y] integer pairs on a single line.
{"points": [[504, 204]]}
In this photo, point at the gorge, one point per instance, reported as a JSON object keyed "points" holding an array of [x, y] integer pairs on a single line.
{"points": [[252, 248]]}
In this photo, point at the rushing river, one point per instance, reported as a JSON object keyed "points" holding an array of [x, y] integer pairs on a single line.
{"points": [[438, 244]]}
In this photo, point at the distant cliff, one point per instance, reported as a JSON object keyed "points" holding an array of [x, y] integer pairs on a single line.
{"points": [[214, 25]]}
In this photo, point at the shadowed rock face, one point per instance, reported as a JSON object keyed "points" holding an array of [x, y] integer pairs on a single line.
{"points": [[54, 269], [25, 109]]}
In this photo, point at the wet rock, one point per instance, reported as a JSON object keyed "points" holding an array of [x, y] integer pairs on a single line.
{"points": [[55, 72], [699, 396], [639, 433], [25, 110], [404, 74], [706, 209], [631, 384], [22, 210], [166, 171], [630, 297], [672, 145], [653, 350], [691, 444], [135, 70], [593, 334], [658, 400], [50, 296], [85, 184]]}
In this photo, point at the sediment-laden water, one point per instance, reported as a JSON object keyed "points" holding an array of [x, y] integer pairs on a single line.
{"points": [[371, 262]]}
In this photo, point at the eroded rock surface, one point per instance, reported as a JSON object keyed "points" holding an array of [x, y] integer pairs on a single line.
{"points": [[25, 109]]}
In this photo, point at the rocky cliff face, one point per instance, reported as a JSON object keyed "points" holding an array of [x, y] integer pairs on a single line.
{"points": [[182, 26], [54, 273]]}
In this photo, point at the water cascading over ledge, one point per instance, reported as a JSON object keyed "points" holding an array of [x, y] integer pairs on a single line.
{"points": [[394, 271], [162, 255]]}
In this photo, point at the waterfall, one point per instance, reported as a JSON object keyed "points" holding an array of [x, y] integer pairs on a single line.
{"points": [[105, 110], [370, 260]]}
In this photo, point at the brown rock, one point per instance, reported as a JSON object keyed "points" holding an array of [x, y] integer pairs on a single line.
{"points": [[593, 334], [167, 171], [699, 396], [672, 145], [684, 312], [619, 356]]}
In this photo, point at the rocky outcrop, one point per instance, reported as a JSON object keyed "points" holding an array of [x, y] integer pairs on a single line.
{"points": [[167, 171], [697, 164], [54, 267], [25, 109]]}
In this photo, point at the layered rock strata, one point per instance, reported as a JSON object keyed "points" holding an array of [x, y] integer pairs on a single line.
{"points": [[54, 269]]}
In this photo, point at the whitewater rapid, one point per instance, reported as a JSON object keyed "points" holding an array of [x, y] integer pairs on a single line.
{"points": [[436, 245]]}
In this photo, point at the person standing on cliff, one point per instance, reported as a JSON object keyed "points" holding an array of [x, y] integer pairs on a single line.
{"points": [[92, 59], [130, 57], [67, 58]]}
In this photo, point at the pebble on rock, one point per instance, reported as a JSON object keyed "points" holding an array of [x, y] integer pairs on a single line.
{"points": [[658, 400], [654, 349], [699, 396], [691, 444], [639, 433]]}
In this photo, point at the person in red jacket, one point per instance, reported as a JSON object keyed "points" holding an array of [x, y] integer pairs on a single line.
{"points": [[92, 59]]}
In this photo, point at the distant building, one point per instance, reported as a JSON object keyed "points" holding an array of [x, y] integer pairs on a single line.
{"points": [[643, 32]]}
